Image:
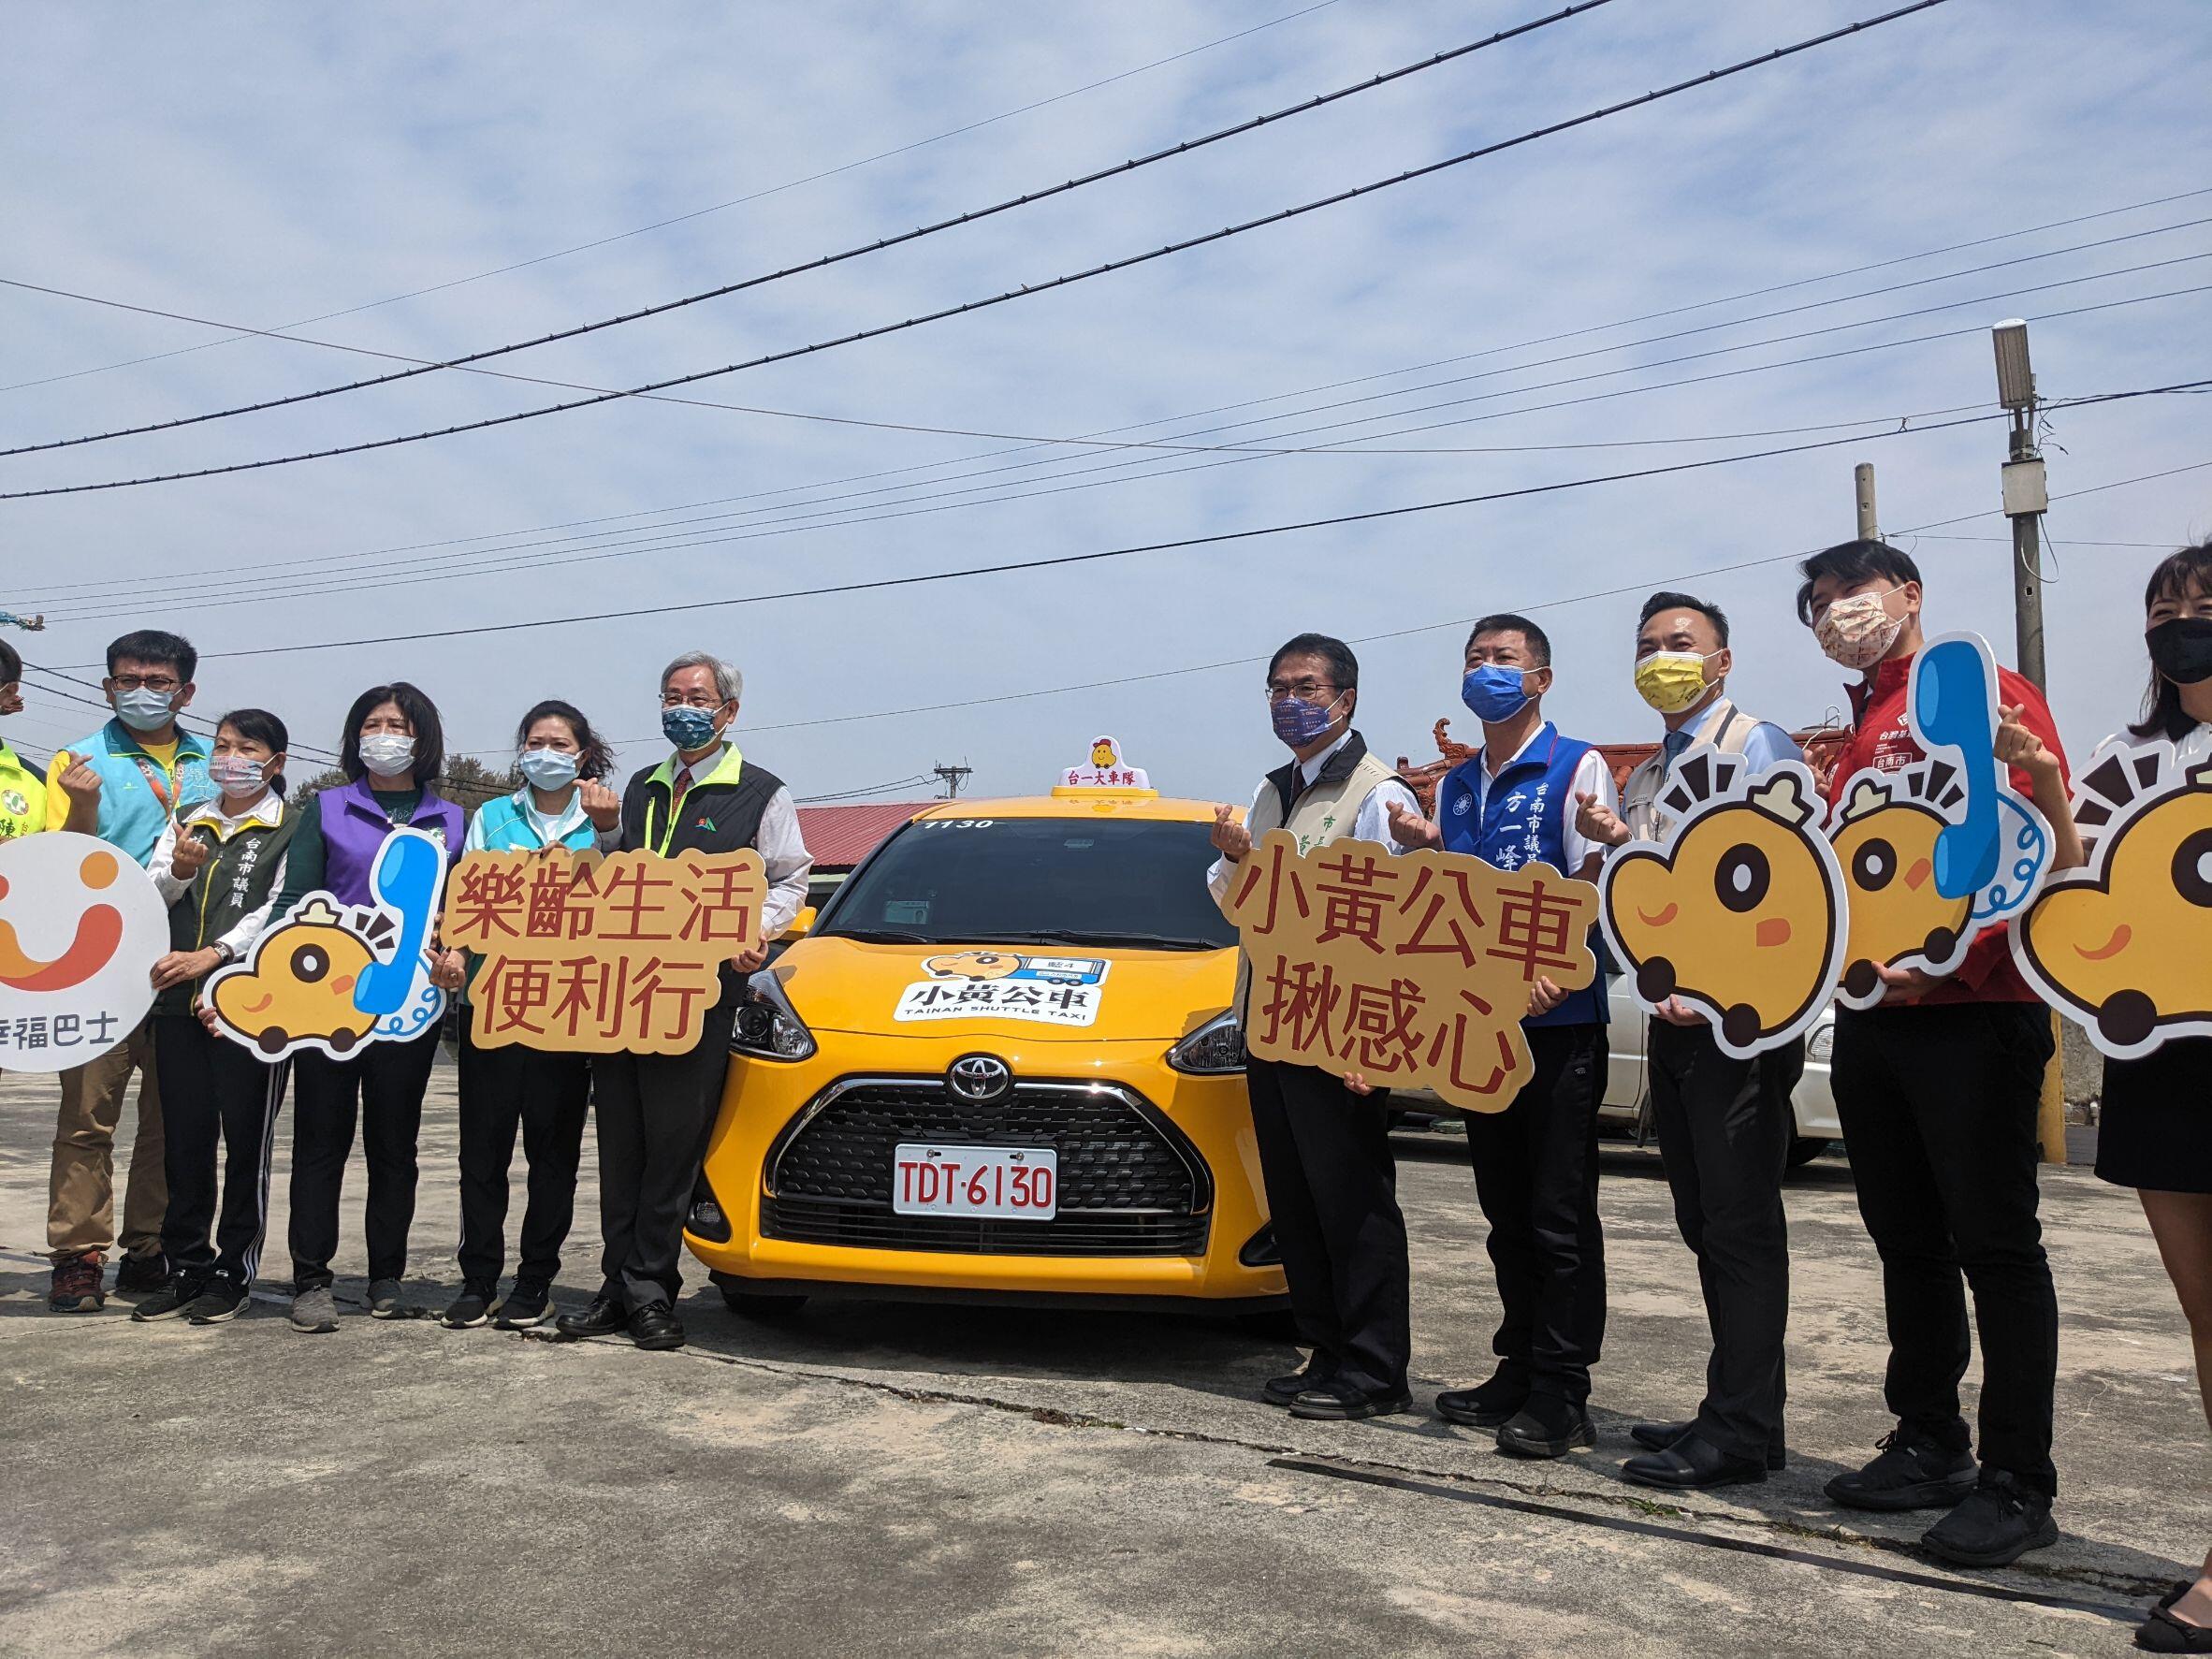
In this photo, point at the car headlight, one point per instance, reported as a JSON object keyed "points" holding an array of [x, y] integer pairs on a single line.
{"points": [[1821, 1044], [1214, 1049], [768, 1028]]}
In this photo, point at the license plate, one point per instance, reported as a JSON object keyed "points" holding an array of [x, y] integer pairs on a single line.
{"points": [[1011, 1183]]}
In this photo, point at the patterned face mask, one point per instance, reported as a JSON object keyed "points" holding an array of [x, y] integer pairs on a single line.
{"points": [[1857, 632], [1300, 723]]}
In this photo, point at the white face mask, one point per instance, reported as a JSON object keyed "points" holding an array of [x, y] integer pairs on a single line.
{"points": [[388, 753], [1857, 632]]}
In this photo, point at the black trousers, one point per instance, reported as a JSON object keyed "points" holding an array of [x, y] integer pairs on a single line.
{"points": [[1332, 1195], [382, 1086], [217, 1097], [655, 1114], [547, 1096], [1938, 1106], [1535, 1176], [1725, 1129]]}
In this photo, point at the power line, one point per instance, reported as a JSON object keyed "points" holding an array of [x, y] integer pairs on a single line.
{"points": [[974, 215], [308, 750], [242, 333], [1099, 439], [848, 795], [1026, 290]]}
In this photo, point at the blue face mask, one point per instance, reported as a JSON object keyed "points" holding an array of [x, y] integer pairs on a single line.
{"points": [[548, 768], [688, 728], [1299, 723], [142, 710], [1493, 693]]}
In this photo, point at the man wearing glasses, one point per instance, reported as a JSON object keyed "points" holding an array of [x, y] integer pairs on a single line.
{"points": [[120, 784], [655, 1111], [1324, 1149]]}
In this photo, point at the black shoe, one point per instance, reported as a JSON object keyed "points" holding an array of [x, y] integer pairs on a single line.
{"points": [[1659, 1437], [470, 1308], [1911, 1474], [1337, 1402], [218, 1305], [1281, 1390], [1694, 1462], [527, 1304], [2165, 1632], [168, 1302], [1546, 1427], [604, 1318], [1486, 1404], [1994, 1526], [653, 1328], [142, 1273]]}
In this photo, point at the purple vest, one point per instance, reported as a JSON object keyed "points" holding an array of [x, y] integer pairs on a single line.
{"points": [[355, 827]]}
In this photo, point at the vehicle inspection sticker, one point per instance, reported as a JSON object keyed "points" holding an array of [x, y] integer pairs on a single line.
{"points": [[983, 984]]}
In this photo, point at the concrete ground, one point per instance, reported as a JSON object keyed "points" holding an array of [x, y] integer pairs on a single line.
{"points": [[879, 1477]]}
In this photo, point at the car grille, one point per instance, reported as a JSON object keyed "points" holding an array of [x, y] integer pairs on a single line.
{"points": [[1130, 1183]]}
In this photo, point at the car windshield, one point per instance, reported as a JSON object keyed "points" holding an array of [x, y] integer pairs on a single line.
{"points": [[1035, 880]]}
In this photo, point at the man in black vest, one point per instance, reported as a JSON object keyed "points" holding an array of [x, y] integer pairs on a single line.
{"points": [[655, 1111]]}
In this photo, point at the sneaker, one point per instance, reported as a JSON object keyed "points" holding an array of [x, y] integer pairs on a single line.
{"points": [[529, 1304], [1909, 1474], [315, 1311], [77, 1285], [1994, 1526], [168, 1302], [471, 1308], [219, 1303], [385, 1301], [142, 1273]]}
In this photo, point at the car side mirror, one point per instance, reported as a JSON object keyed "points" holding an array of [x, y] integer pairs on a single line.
{"points": [[801, 925]]}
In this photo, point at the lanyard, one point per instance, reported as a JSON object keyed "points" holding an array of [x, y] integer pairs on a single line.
{"points": [[154, 781]]}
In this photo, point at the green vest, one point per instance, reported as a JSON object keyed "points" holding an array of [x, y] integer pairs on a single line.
{"points": [[238, 879], [22, 797]]}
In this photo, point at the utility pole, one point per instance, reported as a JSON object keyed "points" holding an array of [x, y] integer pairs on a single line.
{"points": [[1870, 529], [2026, 494], [954, 776]]}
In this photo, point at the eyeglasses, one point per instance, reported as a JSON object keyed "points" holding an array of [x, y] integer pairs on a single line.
{"points": [[1305, 691], [691, 699], [160, 683]]}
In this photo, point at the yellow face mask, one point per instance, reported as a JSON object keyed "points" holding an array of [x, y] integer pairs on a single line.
{"points": [[1671, 682]]}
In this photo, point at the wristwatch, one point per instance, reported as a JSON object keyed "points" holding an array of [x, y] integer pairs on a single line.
{"points": [[225, 955]]}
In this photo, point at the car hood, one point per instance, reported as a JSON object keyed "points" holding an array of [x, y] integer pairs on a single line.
{"points": [[917, 991]]}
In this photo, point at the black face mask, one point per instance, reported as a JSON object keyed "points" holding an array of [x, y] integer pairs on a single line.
{"points": [[2181, 649]]}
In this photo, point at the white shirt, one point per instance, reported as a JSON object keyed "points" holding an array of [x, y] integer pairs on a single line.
{"points": [[783, 850], [270, 809], [1373, 824], [2193, 749], [1592, 778]]}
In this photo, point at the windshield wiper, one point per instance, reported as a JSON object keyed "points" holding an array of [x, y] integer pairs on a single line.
{"points": [[1070, 936], [881, 936]]}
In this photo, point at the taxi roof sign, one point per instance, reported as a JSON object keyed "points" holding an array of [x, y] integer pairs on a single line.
{"points": [[1105, 770]]}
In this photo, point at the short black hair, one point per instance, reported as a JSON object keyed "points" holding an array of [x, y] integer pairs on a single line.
{"points": [[151, 645], [1684, 602], [257, 725], [422, 714], [596, 759], [1854, 563], [11, 663], [1539, 643], [2185, 572], [1333, 652]]}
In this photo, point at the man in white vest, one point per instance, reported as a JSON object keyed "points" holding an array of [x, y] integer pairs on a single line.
{"points": [[1723, 1124], [1325, 1151]]}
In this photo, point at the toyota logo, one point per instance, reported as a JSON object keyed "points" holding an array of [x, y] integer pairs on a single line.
{"points": [[979, 1078]]}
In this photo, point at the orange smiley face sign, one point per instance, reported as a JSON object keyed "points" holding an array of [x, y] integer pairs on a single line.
{"points": [[81, 929]]}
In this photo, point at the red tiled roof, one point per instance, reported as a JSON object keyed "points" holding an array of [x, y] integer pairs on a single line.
{"points": [[840, 836], [1623, 758]]}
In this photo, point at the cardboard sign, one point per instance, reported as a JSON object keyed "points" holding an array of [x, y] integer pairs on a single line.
{"points": [[81, 926], [587, 954], [1739, 912], [2123, 945], [1412, 971], [329, 978]]}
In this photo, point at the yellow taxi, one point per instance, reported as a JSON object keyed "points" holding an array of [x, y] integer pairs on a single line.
{"points": [[1001, 1066]]}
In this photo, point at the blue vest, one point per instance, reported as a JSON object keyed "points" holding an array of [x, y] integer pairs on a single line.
{"points": [[133, 811], [503, 826], [1522, 821]]}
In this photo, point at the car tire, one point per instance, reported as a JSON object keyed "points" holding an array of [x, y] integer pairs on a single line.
{"points": [[761, 1307], [1805, 1148]]}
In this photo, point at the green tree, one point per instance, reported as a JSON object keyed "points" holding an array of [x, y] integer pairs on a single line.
{"points": [[468, 782]]}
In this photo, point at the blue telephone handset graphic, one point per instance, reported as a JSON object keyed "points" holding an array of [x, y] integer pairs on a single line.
{"points": [[1997, 851], [405, 881]]}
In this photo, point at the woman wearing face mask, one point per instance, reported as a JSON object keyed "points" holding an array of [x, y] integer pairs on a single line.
{"points": [[392, 753], [561, 803], [219, 863], [2151, 1128]]}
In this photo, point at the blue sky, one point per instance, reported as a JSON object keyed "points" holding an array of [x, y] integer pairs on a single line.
{"points": [[258, 165]]}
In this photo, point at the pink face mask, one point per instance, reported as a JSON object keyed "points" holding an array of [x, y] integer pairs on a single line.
{"points": [[1856, 633]]}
